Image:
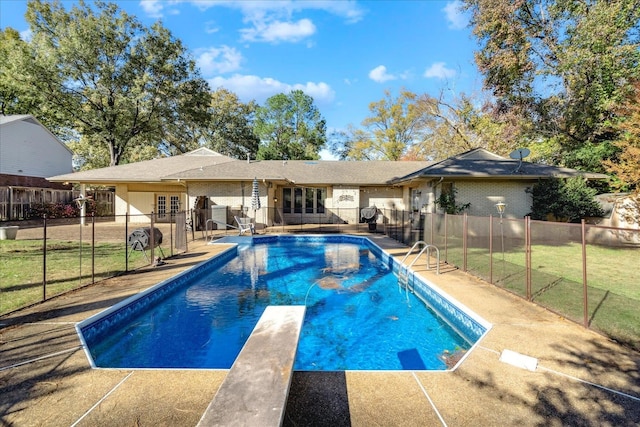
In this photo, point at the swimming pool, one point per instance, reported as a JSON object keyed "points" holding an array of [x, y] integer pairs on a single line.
{"points": [[356, 317]]}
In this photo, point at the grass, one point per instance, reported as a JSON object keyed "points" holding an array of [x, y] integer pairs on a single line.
{"points": [[613, 284], [21, 270], [608, 269]]}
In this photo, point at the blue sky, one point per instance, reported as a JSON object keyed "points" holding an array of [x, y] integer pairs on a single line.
{"points": [[344, 54]]}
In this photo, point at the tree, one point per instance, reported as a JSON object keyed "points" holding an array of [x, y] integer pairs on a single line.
{"points": [[231, 127], [290, 127], [564, 64], [13, 98], [391, 129], [412, 127], [461, 124], [626, 168], [119, 85], [569, 200]]}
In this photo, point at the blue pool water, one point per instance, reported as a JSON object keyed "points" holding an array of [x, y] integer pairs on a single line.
{"points": [[356, 317]]}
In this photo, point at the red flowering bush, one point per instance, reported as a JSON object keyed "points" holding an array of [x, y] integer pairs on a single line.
{"points": [[58, 210]]}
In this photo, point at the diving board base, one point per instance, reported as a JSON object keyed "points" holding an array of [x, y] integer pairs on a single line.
{"points": [[255, 390]]}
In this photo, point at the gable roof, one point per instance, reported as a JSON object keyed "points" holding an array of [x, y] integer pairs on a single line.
{"points": [[304, 171], [147, 170], [480, 163]]}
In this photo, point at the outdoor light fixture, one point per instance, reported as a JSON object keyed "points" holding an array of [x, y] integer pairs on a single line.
{"points": [[500, 206]]}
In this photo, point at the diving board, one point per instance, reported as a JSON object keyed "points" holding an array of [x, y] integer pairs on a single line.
{"points": [[255, 390]]}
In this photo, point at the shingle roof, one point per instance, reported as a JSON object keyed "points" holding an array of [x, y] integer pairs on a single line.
{"points": [[304, 171], [480, 163], [207, 165], [148, 170]]}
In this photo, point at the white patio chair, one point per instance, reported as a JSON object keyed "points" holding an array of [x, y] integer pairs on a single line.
{"points": [[245, 224]]}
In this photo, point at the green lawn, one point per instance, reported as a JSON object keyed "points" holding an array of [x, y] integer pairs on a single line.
{"points": [[608, 269], [21, 269], [613, 283]]}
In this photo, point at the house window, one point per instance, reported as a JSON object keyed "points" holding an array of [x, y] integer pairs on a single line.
{"points": [[308, 200], [167, 204], [286, 200], [162, 205]]}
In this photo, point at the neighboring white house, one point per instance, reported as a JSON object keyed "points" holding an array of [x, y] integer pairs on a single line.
{"points": [[28, 149], [29, 153], [304, 191]]}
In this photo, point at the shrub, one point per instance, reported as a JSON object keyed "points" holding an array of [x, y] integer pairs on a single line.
{"points": [[569, 200], [57, 210]]}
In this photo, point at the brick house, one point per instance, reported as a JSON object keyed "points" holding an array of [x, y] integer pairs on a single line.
{"points": [[483, 179], [304, 191]]}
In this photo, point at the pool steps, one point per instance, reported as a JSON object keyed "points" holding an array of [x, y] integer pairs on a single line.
{"points": [[255, 390]]}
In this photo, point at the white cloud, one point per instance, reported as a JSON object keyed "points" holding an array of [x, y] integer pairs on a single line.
{"points": [[279, 31], [439, 71], [380, 75], [455, 16], [26, 35], [218, 60], [211, 27], [269, 21], [152, 8], [249, 87]]}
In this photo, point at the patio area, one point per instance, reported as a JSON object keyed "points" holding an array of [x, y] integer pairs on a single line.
{"points": [[581, 377]]}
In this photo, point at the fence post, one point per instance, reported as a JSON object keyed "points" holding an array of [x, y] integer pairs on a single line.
{"points": [[81, 224], [445, 237], [465, 226], [126, 243], [171, 221], [491, 249], [44, 259], [584, 275], [93, 247], [527, 243], [193, 228], [153, 238], [432, 216]]}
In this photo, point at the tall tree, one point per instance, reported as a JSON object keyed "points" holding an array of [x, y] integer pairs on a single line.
{"points": [[231, 127], [422, 127], [388, 133], [563, 63], [626, 167], [13, 98], [119, 85], [457, 125], [290, 127]]}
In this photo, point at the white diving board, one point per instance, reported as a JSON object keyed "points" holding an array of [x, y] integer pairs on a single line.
{"points": [[255, 390]]}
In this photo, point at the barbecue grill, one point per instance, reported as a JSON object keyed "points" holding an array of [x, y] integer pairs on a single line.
{"points": [[370, 216], [140, 240]]}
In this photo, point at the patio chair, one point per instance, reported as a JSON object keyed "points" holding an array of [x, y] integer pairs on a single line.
{"points": [[245, 224]]}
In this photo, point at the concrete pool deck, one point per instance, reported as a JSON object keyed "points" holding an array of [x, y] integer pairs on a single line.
{"points": [[581, 378]]}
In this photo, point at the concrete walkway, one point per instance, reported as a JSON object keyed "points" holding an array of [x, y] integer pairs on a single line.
{"points": [[581, 378]]}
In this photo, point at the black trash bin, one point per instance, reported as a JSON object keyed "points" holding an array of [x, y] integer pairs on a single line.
{"points": [[370, 216]]}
